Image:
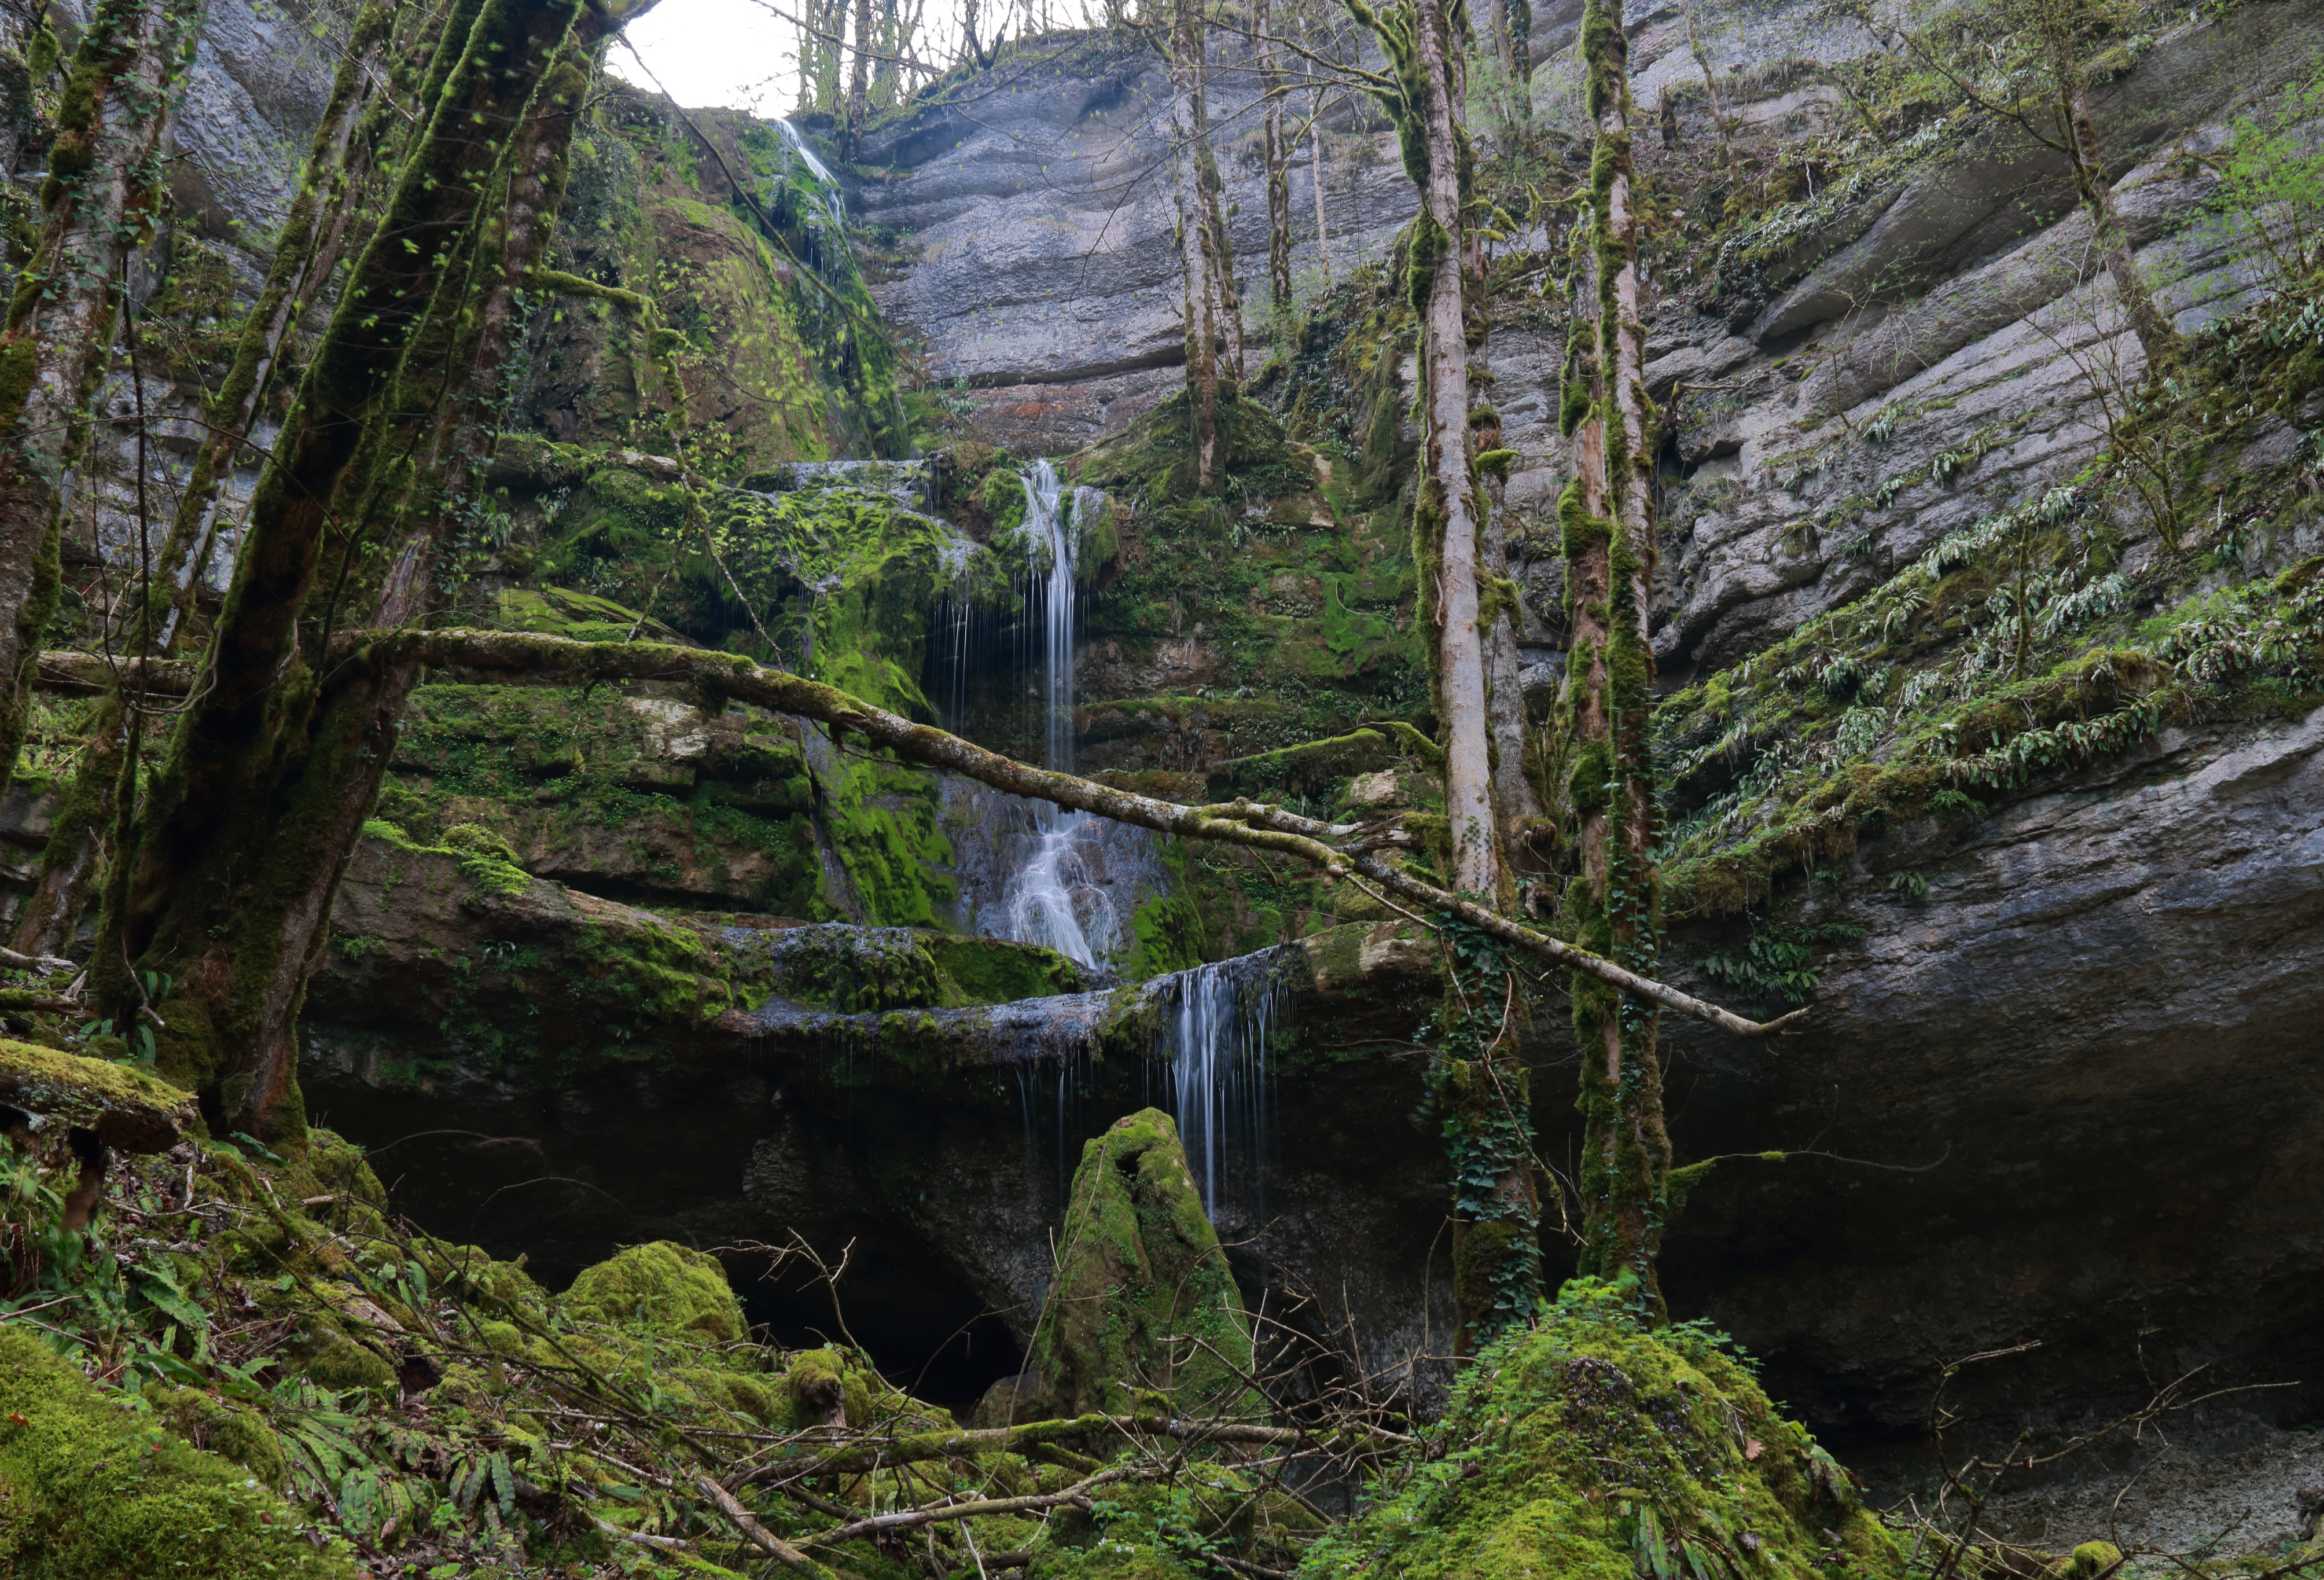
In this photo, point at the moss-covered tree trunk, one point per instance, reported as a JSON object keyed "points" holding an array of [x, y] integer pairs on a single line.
{"points": [[1606, 517], [1477, 1081], [859, 80], [104, 179], [253, 811], [1515, 802], [1449, 517], [305, 254]]}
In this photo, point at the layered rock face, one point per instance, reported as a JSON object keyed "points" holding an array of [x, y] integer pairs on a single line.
{"points": [[1042, 275]]}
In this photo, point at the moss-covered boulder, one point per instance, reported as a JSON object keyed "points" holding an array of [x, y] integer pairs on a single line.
{"points": [[1144, 1315], [1589, 1445], [663, 1289], [91, 1490]]}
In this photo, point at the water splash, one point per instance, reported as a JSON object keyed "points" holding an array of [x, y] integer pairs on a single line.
{"points": [[1218, 1030]]}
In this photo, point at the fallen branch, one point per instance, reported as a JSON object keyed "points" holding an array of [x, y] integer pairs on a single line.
{"points": [[760, 1536], [871, 1453], [913, 1519], [1243, 822]]}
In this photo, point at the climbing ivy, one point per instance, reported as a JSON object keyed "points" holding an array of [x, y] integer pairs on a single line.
{"points": [[1479, 1096]]}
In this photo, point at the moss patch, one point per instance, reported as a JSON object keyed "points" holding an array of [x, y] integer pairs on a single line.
{"points": [[1587, 1444], [89, 1489]]}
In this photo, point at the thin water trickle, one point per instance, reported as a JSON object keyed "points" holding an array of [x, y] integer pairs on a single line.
{"points": [[1220, 1037]]}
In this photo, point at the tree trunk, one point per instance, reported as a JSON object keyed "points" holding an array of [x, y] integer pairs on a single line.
{"points": [[1218, 243], [1448, 510], [1521, 58], [103, 177], [859, 81], [1608, 521], [1203, 307], [1278, 188], [304, 257], [1516, 803], [72, 859], [248, 823], [2156, 337], [1315, 174]]}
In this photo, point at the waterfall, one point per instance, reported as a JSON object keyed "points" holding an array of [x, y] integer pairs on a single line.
{"points": [[1051, 898], [1218, 1038]]}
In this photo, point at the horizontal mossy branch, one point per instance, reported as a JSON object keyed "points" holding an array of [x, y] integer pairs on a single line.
{"points": [[866, 1453], [1239, 822]]}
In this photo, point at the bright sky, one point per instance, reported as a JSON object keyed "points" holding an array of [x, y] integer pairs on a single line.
{"points": [[714, 54]]}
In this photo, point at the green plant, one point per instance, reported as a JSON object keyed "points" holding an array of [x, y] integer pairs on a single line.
{"points": [[1777, 961]]}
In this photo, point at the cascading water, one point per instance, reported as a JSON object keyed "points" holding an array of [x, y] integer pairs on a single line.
{"points": [[1051, 899], [1219, 1035]]}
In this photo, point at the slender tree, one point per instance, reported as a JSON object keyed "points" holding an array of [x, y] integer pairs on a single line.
{"points": [[1607, 519], [2060, 32], [1276, 157], [1214, 334], [1476, 1079], [859, 81], [1423, 93], [238, 850], [105, 178]]}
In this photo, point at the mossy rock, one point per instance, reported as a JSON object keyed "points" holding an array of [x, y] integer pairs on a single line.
{"points": [[1140, 1274], [89, 1491], [663, 1289], [338, 1363], [1589, 1444], [127, 1107]]}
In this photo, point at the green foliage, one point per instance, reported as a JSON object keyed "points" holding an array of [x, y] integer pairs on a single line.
{"points": [[2272, 177], [1777, 962]]}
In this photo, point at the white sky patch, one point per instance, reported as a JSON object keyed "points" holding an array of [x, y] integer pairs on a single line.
{"points": [[714, 54]]}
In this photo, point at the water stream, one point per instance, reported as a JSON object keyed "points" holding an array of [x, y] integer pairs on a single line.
{"points": [[1051, 898]]}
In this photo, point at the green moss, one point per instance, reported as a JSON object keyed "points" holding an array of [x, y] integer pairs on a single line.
{"points": [[91, 1492], [1587, 1445], [231, 1431], [994, 971], [661, 1288]]}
